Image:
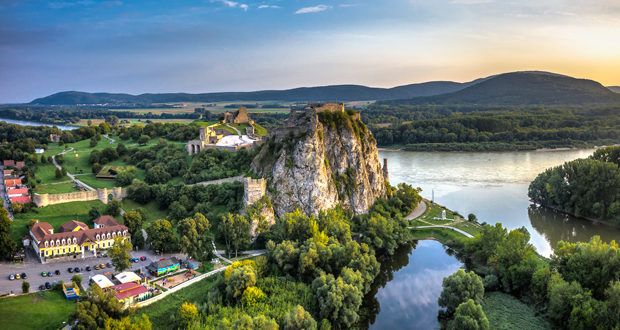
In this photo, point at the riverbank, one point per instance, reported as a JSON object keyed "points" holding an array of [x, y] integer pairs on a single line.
{"points": [[499, 146]]}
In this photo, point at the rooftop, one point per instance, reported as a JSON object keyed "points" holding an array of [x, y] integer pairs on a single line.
{"points": [[102, 281], [128, 277], [129, 290]]}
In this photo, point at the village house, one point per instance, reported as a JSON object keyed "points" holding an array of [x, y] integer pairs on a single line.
{"points": [[163, 267], [8, 163], [130, 292], [74, 239]]}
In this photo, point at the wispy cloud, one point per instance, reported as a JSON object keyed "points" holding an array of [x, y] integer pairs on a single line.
{"points": [[313, 9], [268, 7], [232, 4]]}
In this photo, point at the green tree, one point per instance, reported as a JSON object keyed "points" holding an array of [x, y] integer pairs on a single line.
{"points": [[251, 296], [469, 316], [120, 253], [239, 280], [77, 279], [339, 298], [96, 307], [58, 173], [134, 220], [143, 139], [299, 319], [7, 245], [235, 229], [187, 315], [157, 174], [113, 208], [161, 236], [195, 237], [458, 288], [25, 287], [127, 323]]}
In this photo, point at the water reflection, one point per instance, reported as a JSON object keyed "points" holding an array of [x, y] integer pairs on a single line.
{"points": [[36, 124], [494, 187], [405, 294]]}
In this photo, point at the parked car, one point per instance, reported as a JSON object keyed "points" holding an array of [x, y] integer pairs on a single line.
{"points": [[142, 258], [57, 272], [109, 265], [96, 267], [70, 270], [134, 260], [24, 276], [77, 269], [44, 274], [17, 276], [48, 285], [41, 287], [101, 266], [88, 268], [12, 277], [49, 274]]}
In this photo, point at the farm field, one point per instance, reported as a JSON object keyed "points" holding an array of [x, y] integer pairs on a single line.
{"points": [[41, 310]]}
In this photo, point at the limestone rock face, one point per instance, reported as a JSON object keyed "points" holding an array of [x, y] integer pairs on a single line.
{"points": [[319, 160]]}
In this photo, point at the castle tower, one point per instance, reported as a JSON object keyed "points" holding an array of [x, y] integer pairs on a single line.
{"points": [[203, 134]]}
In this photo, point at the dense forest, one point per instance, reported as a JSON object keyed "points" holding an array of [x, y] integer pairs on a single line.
{"points": [[587, 188], [463, 127]]}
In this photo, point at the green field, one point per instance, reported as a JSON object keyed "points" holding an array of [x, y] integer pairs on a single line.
{"points": [[507, 312], [56, 215], [49, 183], [160, 312], [43, 310]]}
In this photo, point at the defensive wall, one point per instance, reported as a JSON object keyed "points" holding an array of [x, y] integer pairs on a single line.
{"points": [[104, 195]]}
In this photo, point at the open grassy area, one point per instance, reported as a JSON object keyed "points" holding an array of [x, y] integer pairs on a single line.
{"points": [[49, 183], [42, 310], [160, 312], [56, 215], [442, 235], [151, 209], [507, 312], [56, 188], [433, 213]]}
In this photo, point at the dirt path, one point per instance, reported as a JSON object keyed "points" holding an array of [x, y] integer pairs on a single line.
{"points": [[418, 211]]}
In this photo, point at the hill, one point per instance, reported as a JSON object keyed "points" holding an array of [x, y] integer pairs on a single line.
{"points": [[615, 89], [302, 94], [525, 88]]}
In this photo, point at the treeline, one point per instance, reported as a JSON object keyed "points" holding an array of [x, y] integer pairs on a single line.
{"points": [[483, 128], [588, 188], [579, 288]]}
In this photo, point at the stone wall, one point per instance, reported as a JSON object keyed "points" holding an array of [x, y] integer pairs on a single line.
{"points": [[253, 190], [118, 193]]}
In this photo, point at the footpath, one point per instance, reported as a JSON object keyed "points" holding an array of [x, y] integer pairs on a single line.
{"points": [[420, 210]]}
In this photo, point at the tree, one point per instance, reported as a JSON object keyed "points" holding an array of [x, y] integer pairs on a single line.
{"points": [[251, 296], [96, 307], [120, 253], [140, 192], [236, 231], [299, 319], [7, 245], [239, 280], [157, 174], [143, 139], [339, 298], [133, 220], [161, 236], [127, 323], [187, 314], [472, 217], [469, 316], [195, 238], [25, 287], [113, 208], [94, 213], [77, 279], [126, 176], [58, 173], [458, 288]]}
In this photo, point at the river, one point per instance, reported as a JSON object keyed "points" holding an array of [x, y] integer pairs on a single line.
{"points": [[493, 185], [35, 123]]}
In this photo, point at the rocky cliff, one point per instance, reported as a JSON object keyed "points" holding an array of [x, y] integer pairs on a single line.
{"points": [[319, 159]]}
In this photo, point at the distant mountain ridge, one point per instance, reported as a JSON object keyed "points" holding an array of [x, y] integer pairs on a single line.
{"points": [[525, 88], [514, 88], [302, 94]]}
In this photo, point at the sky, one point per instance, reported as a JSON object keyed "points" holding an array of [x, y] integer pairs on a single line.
{"points": [[133, 46]]}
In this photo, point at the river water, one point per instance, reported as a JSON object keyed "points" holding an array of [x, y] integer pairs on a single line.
{"points": [[35, 123], [493, 185]]}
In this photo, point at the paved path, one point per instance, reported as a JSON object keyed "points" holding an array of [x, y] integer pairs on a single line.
{"points": [[418, 211], [71, 176], [109, 139], [446, 227], [218, 254]]}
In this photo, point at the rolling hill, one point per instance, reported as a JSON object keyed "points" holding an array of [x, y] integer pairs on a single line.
{"points": [[525, 88], [303, 94]]}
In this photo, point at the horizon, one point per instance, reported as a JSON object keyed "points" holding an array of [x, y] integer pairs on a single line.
{"points": [[221, 45]]}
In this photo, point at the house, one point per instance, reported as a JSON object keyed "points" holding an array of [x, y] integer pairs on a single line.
{"points": [[20, 200], [8, 163], [16, 192], [102, 281], [7, 172], [12, 182], [164, 266], [105, 221], [129, 293], [128, 277], [74, 239], [20, 165]]}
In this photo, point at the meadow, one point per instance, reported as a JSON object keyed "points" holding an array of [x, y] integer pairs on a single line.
{"points": [[41, 310]]}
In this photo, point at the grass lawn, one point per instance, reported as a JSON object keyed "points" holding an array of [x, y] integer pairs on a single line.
{"points": [[50, 184], [443, 235], [56, 215], [507, 312], [44, 310], [151, 209], [92, 181], [56, 188], [434, 211], [159, 312]]}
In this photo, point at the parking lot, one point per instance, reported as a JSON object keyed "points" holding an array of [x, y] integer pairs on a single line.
{"points": [[34, 268]]}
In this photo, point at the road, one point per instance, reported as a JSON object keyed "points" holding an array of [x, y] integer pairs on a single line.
{"points": [[71, 176], [418, 211], [3, 195]]}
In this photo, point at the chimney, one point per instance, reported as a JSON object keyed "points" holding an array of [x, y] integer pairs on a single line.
{"points": [[385, 169]]}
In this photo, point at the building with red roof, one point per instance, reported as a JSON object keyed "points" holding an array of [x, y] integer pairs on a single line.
{"points": [[8, 163], [20, 199], [16, 192], [130, 292], [12, 182], [7, 172], [20, 165]]}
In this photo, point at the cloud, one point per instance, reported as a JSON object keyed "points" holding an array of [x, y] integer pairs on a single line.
{"points": [[232, 4], [269, 7], [470, 2], [313, 9]]}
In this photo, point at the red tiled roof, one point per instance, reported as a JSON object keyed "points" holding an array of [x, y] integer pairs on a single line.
{"points": [[106, 220], [20, 199], [40, 229], [12, 182], [82, 235], [71, 225], [129, 289], [9, 162], [20, 165], [17, 191], [8, 172]]}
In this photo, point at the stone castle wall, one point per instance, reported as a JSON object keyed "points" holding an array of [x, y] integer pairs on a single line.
{"points": [[118, 193], [253, 190]]}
